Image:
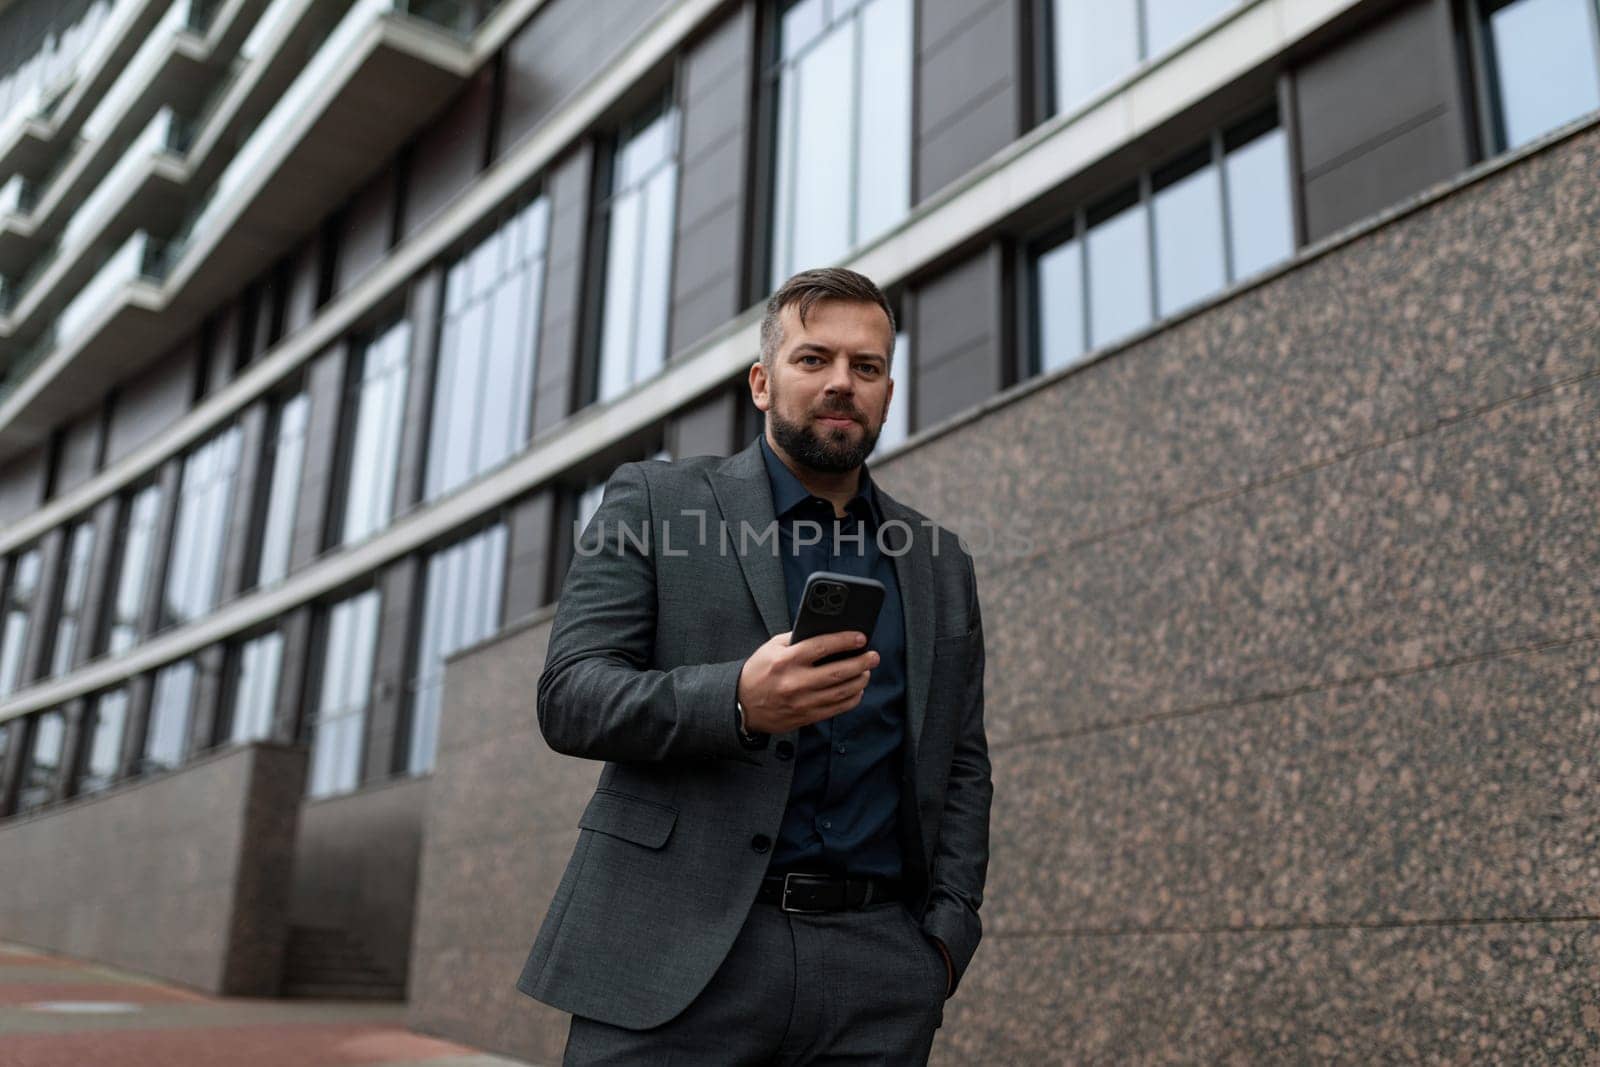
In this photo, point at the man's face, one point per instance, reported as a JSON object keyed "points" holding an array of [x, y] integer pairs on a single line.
{"points": [[828, 391]]}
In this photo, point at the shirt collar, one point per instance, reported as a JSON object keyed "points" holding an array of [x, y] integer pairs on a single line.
{"points": [[788, 491]]}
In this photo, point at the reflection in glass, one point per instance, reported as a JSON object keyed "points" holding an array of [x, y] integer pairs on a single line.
{"points": [[103, 729], [1547, 65], [339, 728], [897, 425], [1060, 306], [1169, 21], [20, 593], [204, 500], [633, 336], [42, 767], [488, 348], [1260, 216], [1119, 276], [138, 542], [843, 151], [1189, 254], [166, 743], [69, 621], [461, 606], [374, 451], [1096, 42], [255, 689], [286, 461]]}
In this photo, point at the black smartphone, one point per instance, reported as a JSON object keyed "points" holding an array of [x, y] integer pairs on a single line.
{"points": [[833, 602]]}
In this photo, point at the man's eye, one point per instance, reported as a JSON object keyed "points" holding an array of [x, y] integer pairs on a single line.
{"points": [[870, 368], [804, 358]]}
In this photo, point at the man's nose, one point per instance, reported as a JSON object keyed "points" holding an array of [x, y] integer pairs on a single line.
{"points": [[839, 380]]}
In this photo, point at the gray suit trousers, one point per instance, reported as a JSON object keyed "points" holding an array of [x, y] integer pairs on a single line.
{"points": [[845, 987]]}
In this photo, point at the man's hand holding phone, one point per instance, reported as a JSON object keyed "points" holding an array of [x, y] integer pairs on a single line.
{"points": [[782, 688]]}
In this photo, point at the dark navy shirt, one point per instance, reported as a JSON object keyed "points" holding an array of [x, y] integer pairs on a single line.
{"points": [[845, 798]]}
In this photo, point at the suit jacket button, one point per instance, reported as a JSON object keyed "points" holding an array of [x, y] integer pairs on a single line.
{"points": [[785, 749], [761, 842]]}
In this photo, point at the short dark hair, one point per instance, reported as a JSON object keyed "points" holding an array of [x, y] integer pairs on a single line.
{"points": [[809, 286]]}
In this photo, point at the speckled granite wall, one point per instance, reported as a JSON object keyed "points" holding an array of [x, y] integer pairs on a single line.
{"points": [[184, 876], [501, 823], [1292, 703]]}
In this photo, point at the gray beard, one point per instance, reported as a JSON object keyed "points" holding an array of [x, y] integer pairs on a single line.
{"points": [[835, 455]]}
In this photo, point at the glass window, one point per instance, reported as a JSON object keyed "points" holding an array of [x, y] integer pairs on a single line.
{"points": [[74, 588], [639, 217], [589, 503], [1096, 42], [1059, 298], [42, 768], [1260, 215], [373, 451], [488, 350], [204, 504], [1215, 215], [166, 741], [1187, 206], [842, 165], [21, 592], [1119, 273], [461, 606], [1546, 64], [897, 425], [255, 688], [1169, 21], [338, 730], [285, 461], [133, 570], [103, 729]]}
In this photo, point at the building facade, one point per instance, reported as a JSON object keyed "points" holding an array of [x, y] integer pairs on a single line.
{"points": [[1270, 326]]}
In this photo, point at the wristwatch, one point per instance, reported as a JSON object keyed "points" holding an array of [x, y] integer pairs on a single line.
{"points": [[746, 738]]}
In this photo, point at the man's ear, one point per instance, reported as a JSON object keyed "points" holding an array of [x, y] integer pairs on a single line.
{"points": [[758, 387]]}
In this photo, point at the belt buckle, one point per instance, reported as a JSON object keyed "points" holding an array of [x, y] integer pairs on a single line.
{"points": [[783, 902]]}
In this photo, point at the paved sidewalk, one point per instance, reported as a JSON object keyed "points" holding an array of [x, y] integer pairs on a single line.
{"points": [[56, 1012]]}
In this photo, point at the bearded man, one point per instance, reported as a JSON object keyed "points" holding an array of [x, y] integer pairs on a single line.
{"points": [[783, 861]]}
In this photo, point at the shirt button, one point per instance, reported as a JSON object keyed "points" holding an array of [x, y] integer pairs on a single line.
{"points": [[760, 842], [785, 750], [827, 824], [840, 750]]}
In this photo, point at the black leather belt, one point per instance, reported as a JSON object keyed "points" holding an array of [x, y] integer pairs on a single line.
{"points": [[800, 891]]}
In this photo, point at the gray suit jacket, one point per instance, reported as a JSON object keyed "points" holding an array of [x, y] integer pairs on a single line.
{"points": [[654, 624]]}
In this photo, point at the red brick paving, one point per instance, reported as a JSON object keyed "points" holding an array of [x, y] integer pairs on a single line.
{"points": [[127, 992], [299, 1045], [176, 1027]]}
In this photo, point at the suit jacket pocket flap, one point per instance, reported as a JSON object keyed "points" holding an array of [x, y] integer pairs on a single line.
{"points": [[631, 818]]}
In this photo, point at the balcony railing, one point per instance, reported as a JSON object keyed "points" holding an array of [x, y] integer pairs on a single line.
{"points": [[142, 257]]}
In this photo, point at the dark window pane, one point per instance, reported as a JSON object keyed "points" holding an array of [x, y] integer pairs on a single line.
{"points": [[73, 591], [166, 743], [462, 606], [339, 728], [42, 768], [286, 462], [103, 732], [21, 592]]}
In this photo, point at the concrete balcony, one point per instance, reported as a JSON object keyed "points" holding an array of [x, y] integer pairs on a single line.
{"points": [[31, 136], [179, 62], [320, 141], [143, 191]]}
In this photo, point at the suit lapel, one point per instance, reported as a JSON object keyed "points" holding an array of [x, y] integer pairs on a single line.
{"points": [[913, 571], [745, 496]]}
